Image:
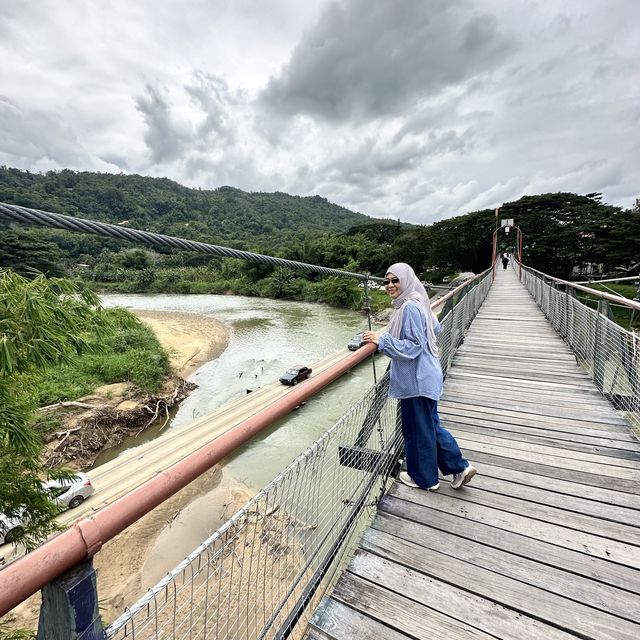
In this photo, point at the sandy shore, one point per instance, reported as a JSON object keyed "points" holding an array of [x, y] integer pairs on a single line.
{"points": [[190, 339]]}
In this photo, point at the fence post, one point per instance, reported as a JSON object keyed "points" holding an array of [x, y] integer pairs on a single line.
{"points": [[598, 356], [69, 608], [570, 311]]}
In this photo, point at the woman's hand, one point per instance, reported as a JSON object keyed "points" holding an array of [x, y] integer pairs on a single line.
{"points": [[371, 336]]}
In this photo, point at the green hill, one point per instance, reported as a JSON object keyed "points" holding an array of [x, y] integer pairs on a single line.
{"points": [[223, 216], [561, 231]]}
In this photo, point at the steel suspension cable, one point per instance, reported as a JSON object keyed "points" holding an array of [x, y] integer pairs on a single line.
{"points": [[25, 215]]}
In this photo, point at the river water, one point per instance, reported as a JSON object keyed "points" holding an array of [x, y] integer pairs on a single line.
{"points": [[267, 337]]}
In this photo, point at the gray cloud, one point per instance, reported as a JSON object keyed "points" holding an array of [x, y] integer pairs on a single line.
{"points": [[213, 97], [367, 60], [164, 137], [418, 109], [33, 136]]}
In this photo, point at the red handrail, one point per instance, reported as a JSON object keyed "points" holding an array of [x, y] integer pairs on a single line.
{"points": [[24, 577], [27, 575], [600, 294]]}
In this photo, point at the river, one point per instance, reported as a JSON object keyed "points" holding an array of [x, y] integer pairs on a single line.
{"points": [[268, 336]]}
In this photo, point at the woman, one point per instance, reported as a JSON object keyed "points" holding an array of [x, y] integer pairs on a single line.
{"points": [[416, 380]]}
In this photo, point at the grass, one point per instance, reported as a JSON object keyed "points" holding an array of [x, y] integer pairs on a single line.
{"points": [[130, 352]]}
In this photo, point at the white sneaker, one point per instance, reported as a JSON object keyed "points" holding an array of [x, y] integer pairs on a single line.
{"points": [[405, 478], [462, 478]]}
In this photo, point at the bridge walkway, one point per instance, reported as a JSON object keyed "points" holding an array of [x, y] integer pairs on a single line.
{"points": [[545, 541]]}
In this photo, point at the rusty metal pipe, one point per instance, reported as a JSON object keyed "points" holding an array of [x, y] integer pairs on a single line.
{"points": [[24, 577], [27, 575]]}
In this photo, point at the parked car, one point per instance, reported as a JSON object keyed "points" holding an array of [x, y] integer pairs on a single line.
{"points": [[67, 493], [295, 374], [71, 493], [356, 342], [10, 528]]}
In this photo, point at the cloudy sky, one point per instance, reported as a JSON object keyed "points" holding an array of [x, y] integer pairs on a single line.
{"points": [[417, 109]]}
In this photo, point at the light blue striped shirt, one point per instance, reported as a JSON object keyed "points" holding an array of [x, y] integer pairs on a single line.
{"points": [[415, 371]]}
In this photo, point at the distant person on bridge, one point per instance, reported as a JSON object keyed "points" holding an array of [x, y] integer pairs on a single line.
{"points": [[416, 380], [505, 261]]}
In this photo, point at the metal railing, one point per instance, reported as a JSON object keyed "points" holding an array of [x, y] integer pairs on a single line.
{"points": [[255, 575], [259, 574], [457, 313], [610, 353]]}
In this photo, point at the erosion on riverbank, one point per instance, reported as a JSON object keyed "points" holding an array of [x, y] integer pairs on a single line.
{"points": [[114, 412]]}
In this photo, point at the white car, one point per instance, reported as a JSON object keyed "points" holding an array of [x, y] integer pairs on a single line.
{"points": [[67, 493]]}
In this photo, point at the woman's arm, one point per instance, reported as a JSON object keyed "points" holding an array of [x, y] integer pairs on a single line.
{"points": [[414, 340]]}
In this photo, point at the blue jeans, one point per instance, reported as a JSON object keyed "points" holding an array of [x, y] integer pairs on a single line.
{"points": [[427, 444]]}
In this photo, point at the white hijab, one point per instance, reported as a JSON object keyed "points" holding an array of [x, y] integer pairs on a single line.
{"points": [[411, 289]]}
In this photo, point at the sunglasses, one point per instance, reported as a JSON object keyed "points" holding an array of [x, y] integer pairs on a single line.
{"points": [[388, 281]]}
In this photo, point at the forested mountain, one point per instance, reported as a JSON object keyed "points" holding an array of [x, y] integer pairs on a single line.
{"points": [[223, 215], [560, 230]]}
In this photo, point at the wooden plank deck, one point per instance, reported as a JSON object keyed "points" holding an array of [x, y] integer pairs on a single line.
{"points": [[545, 541]]}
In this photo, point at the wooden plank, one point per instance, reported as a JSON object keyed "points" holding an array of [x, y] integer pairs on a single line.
{"points": [[334, 620], [458, 603], [591, 544], [530, 455], [559, 487], [527, 420], [547, 512], [315, 634], [578, 380], [516, 595], [575, 412], [533, 393], [471, 349], [599, 439], [459, 373], [564, 583], [625, 460], [544, 495], [537, 420], [403, 614], [527, 370], [574, 427], [577, 419], [454, 389], [504, 353], [553, 471], [577, 562], [488, 362]]}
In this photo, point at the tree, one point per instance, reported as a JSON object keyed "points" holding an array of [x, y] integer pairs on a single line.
{"points": [[42, 321], [24, 253]]}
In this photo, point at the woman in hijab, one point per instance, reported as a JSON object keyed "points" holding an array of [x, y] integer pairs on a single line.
{"points": [[416, 380]]}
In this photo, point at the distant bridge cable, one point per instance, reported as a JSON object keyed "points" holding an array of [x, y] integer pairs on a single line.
{"points": [[25, 215]]}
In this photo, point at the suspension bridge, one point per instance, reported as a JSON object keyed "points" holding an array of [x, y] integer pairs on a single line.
{"points": [[543, 394]]}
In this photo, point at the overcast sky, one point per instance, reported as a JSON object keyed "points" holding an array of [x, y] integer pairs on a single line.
{"points": [[417, 109]]}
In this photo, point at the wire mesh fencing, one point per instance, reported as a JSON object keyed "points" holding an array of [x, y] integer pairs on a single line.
{"points": [[256, 575], [609, 352], [456, 316], [262, 573]]}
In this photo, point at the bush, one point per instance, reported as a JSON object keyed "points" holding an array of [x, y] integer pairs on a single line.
{"points": [[131, 352], [143, 368]]}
